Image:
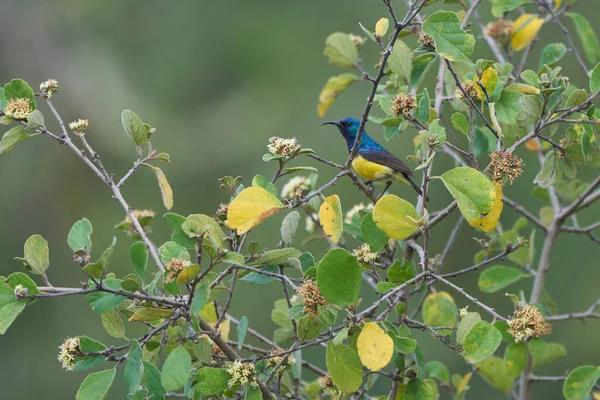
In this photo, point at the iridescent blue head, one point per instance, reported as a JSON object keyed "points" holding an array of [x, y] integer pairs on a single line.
{"points": [[348, 127]]}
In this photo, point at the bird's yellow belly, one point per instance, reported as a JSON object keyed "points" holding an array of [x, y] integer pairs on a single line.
{"points": [[370, 170]]}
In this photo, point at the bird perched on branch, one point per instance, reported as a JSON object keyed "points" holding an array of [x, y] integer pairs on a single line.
{"points": [[373, 162]]}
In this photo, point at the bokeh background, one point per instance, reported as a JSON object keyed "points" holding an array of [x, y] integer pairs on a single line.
{"points": [[217, 80]]}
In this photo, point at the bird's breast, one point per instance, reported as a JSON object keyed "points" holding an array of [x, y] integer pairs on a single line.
{"points": [[370, 170]]}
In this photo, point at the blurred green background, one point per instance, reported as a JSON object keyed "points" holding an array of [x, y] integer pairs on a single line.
{"points": [[217, 80]]}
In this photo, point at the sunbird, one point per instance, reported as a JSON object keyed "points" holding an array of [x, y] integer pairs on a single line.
{"points": [[373, 162]]}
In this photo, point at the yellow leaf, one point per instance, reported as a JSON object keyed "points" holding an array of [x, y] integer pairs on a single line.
{"points": [[464, 382], [224, 328], [494, 118], [395, 217], [523, 88], [208, 313], [375, 347], [532, 145], [188, 274], [489, 80], [557, 4], [165, 188], [150, 314], [252, 206], [489, 221], [381, 27], [525, 29], [334, 87], [331, 218]]}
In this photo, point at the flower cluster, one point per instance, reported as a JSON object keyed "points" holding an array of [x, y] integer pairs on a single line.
{"points": [[144, 217], [223, 209], [364, 254], [295, 188], [276, 358], [527, 322], [500, 30], [354, 211], [19, 109], [403, 104], [470, 89], [426, 40], [69, 350], [327, 385], [284, 147], [505, 165], [310, 224], [312, 297], [49, 87], [79, 126], [175, 267], [242, 373], [357, 40], [21, 292]]}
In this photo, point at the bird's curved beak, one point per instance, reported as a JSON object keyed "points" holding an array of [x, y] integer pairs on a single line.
{"points": [[336, 123]]}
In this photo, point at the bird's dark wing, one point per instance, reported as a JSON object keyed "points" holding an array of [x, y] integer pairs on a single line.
{"points": [[386, 158]]}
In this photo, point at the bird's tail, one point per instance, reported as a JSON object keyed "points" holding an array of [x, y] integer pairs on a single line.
{"points": [[415, 186]]}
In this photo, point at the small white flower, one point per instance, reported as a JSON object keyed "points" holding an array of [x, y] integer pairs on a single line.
{"points": [[21, 292], [49, 87], [293, 187], [79, 126], [364, 254], [68, 351], [311, 226], [242, 373], [359, 207], [285, 147]]}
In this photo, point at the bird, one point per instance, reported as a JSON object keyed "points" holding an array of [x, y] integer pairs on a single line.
{"points": [[372, 161]]}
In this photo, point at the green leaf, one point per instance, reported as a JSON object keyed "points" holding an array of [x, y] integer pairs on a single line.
{"points": [[422, 112], [80, 236], [400, 61], [395, 216], [587, 36], [133, 366], [309, 327], [460, 122], [372, 235], [289, 225], [498, 277], [550, 173], [473, 191], [211, 381], [176, 369], [233, 258], [439, 310], [508, 107], [99, 268], [200, 298], [580, 382], [198, 225], [340, 50], [493, 370], [188, 274], [595, 79], [88, 345], [138, 254], [18, 89], [175, 221], [335, 86], [37, 254], [171, 251], [499, 7], [102, 302], [339, 277], [345, 367], [9, 312], [451, 41], [242, 330], [466, 323], [437, 370], [400, 272], [543, 352], [552, 54], [138, 131], [516, 359], [481, 342], [577, 97], [19, 278], [112, 322], [150, 314], [165, 188], [12, 137], [152, 381], [420, 66], [531, 110], [96, 385], [260, 279], [278, 256], [418, 389]]}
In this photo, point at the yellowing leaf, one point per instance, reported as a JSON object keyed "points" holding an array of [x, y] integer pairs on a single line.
{"points": [[165, 188], [473, 191], [489, 222], [224, 328], [334, 87], [375, 347], [523, 88], [382, 26], [150, 314], [209, 313], [252, 206], [395, 216], [331, 218], [489, 80], [525, 29], [464, 382], [188, 274], [494, 118], [532, 145]]}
